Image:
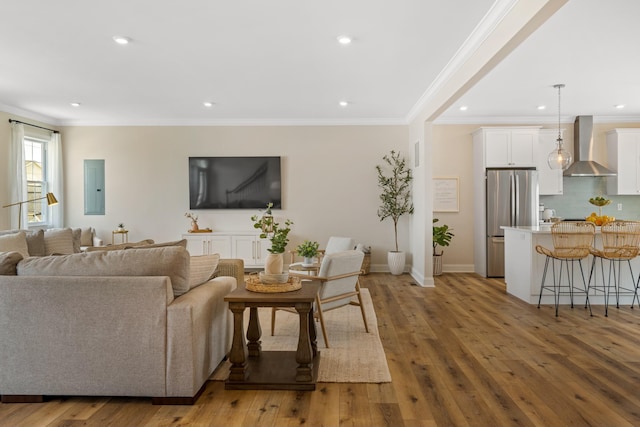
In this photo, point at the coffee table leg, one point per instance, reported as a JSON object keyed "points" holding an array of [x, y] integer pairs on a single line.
{"points": [[304, 352], [254, 332], [237, 355], [312, 333]]}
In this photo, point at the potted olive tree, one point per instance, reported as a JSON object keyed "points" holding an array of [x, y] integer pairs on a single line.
{"points": [[394, 179], [441, 237]]}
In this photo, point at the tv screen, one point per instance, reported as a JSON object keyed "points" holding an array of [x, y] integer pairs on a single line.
{"points": [[234, 182]]}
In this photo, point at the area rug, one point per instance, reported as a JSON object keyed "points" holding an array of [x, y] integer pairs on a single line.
{"points": [[355, 356]]}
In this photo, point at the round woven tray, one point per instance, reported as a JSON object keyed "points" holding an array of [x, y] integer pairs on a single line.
{"points": [[255, 285]]}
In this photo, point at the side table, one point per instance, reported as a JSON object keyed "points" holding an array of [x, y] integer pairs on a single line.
{"points": [[273, 370], [124, 235]]}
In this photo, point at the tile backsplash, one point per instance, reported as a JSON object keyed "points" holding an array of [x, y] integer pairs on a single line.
{"points": [[574, 203]]}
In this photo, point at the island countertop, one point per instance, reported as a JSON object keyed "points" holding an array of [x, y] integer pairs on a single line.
{"points": [[524, 266]]}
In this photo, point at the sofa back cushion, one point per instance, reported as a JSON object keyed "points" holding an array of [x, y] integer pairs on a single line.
{"points": [[86, 236], [8, 263], [170, 261], [15, 242], [120, 246]]}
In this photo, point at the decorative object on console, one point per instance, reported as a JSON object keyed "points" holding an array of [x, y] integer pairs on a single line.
{"points": [[120, 227], [395, 201], [51, 200], [194, 221], [441, 237], [308, 250], [274, 262]]}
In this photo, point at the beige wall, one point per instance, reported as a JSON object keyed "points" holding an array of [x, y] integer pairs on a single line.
{"points": [[329, 179]]}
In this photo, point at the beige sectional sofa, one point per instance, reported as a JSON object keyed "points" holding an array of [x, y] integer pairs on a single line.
{"points": [[136, 322]]}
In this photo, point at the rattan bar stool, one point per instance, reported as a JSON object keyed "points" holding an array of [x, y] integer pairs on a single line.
{"points": [[620, 243], [572, 242]]}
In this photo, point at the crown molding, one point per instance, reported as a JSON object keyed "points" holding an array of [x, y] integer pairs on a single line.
{"points": [[528, 120], [240, 122], [29, 114]]}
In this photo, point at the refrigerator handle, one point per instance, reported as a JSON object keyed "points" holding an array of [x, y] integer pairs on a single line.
{"points": [[517, 191], [512, 196]]}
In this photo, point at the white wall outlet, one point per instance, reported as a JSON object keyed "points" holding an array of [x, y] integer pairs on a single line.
{"points": [[619, 206]]}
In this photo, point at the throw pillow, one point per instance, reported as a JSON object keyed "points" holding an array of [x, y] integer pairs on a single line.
{"points": [[35, 240], [58, 241], [86, 236], [16, 242], [202, 268], [76, 233], [182, 243], [8, 263], [119, 246]]}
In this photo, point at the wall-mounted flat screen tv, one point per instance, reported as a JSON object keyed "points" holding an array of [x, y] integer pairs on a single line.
{"points": [[234, 182]]}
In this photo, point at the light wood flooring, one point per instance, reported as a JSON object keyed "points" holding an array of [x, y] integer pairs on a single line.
{"points": [[461, 354]]}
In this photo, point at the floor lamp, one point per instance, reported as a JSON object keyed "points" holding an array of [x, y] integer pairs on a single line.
{"points": [[51, 200]]}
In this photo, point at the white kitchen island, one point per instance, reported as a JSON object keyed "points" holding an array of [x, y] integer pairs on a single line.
{"points": [[524, 268]]}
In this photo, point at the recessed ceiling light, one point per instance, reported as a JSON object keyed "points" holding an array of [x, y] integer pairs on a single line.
{"points": [[207, 104], [344, 39], [541, 107], [620, 106], [463, 108], [75, 104], [343, 103], [121, 39]]}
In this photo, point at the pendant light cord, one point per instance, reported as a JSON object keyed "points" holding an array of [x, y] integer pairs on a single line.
{"points": [[559, 86]]}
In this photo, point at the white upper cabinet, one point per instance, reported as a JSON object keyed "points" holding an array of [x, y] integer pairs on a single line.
{"points": [[623, 153], [549, 180], [509, 147]]}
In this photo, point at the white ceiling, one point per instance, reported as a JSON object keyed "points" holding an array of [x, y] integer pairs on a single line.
{"points": [[279, 61]]}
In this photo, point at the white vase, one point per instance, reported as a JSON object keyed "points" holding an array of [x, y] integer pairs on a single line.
{"points": [[308, 261], [396, 261], [437, 264], [274, 263]]}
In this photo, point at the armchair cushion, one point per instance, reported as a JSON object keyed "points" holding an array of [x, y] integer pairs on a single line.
{"points": [[338, 244]]}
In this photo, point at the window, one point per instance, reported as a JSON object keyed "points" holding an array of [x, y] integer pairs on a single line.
{"points": [[36, 170]]}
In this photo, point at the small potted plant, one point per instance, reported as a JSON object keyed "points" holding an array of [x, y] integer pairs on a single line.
{"points": [[121, 227], [441, 237], [308, 250], [279, 238]]}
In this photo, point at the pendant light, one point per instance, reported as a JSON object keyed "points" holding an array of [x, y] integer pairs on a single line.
{"points": [[559, 158]]}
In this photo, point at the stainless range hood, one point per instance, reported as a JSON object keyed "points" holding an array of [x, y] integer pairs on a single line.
{"points": [[583, 151]]}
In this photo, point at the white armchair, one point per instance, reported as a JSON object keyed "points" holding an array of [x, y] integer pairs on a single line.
{"points": [[338, 275]]}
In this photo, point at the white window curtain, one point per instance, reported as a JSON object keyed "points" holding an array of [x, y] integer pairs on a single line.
{"points": [[55, 182], [17, 174]]}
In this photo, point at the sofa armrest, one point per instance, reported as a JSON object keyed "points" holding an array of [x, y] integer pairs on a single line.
{"points": [[231, 267], [97, 241]]}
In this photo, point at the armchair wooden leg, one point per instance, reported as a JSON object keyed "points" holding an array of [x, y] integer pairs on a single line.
{"points": [[321, 317], [364, 317]]}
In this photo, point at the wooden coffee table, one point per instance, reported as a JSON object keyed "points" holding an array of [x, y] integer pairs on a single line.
{"points": [[273, 370]]}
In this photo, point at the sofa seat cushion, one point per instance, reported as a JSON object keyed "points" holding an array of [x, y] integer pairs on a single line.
{"points": [[172, 261], [9, 262], [15, 242]]}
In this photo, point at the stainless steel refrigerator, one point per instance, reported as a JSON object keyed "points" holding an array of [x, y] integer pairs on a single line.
{"points": [[512, 200]]}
